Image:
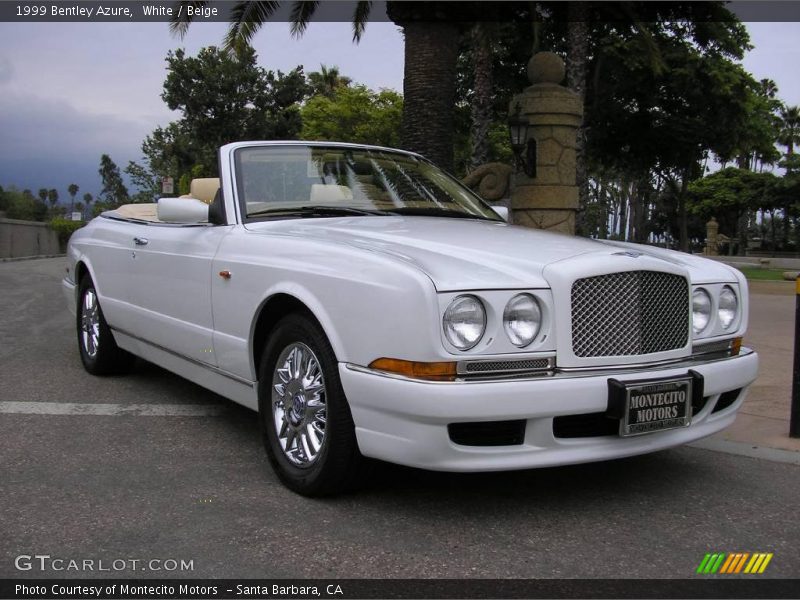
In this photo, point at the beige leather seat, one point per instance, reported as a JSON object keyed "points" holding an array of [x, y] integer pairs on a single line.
{"points": [[329, 194], [203, 189]]}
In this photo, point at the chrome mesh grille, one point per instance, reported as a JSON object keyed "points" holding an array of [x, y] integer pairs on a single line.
{"points": [[631, 313], [507, 365]]}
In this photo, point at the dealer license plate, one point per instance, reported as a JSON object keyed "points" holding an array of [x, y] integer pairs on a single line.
{"points": [[656, 405]]}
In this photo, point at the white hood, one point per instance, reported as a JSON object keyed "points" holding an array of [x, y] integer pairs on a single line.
{"points": [[464, 254]]}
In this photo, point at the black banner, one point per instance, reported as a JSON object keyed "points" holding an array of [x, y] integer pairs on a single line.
{"points": [[142, 11], [251, 589]]}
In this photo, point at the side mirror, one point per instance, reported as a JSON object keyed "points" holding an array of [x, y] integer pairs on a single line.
{"points": [[502, 211], [182, 210]]}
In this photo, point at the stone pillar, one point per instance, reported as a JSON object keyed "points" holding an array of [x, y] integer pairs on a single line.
{"points": [[550, 199], [712, 237]]}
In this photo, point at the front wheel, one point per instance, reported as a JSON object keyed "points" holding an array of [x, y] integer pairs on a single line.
{"points": [[99, 352], [306, 423]]}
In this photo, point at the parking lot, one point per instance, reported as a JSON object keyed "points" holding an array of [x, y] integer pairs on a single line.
{"points": [[134, 477]]}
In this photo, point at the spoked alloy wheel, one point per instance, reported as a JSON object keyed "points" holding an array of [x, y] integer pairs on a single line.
{"points": [[90, 323], [99, 351], [299, 404], [306, 422]]}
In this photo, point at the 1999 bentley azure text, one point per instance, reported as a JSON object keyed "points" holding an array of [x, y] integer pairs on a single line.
{"points": [[367, 305]]}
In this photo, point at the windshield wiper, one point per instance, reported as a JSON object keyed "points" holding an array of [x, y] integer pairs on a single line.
{"points": [[317, 211], [436, 212]]}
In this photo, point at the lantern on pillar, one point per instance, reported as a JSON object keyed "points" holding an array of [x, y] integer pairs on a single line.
{"points": [[524, 148]]}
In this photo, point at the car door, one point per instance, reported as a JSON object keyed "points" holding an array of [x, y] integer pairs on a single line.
{"points": [[171, 286]]}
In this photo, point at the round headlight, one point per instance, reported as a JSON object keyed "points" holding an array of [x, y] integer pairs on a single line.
{"points": [[701, 310], [464, 322], [522, 318], [728, 307]]}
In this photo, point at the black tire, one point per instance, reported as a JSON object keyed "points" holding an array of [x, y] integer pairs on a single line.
{"points": [[99, 352], [337, 466]]}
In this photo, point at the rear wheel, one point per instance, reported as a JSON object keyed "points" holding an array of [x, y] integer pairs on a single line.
{"points": [[99, 352], [306, 423]]}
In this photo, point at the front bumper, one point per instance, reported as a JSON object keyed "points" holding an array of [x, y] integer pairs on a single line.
{"points": [[405, 421]]}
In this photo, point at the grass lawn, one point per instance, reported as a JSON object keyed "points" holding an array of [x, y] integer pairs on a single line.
{"points": [[763, 274]]}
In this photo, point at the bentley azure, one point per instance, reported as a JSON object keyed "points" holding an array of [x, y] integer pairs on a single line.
{"points": [[369, 306]]}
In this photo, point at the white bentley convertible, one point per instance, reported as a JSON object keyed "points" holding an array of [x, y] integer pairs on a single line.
{"points": [[366, 304]]}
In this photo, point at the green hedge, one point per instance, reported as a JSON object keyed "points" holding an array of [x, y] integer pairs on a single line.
{"points": [[64, 229]]}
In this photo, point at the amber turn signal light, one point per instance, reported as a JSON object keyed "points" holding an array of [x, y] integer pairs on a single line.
{"points": [[434, 371], [736, 346]]}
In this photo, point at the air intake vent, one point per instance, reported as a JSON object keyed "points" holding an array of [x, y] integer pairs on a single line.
{"points": [[488, 433], [499, 366]]}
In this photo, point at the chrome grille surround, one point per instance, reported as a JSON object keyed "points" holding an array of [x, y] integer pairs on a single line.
{"points": [[629, 313]]}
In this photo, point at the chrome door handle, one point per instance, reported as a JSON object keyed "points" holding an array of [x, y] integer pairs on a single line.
{"points": [[140, 241]]}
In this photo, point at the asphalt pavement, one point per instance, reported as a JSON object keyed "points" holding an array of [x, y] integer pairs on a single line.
{"points": [[148, 482]]}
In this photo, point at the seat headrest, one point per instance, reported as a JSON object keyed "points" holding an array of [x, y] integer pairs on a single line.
{"points": [[204, 189], [322, 194]]}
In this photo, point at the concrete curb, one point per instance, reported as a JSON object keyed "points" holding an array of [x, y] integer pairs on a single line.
{"points": [[17, 258], [750, 450]]}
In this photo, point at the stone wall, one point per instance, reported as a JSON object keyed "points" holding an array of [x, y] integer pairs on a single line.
{"points": [[26, 238]]}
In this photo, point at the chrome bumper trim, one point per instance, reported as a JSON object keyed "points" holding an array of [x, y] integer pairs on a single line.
{"points": [[564, 373]]}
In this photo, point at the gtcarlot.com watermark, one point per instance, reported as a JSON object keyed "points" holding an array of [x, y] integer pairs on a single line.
{"points": [[48, 563]]}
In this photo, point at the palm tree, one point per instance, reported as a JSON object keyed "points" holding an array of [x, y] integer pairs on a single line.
{"points": [[576, 71], [72, 190], [768, 88], [87, 200], [790, 128], [482, 35], [431, 51], [52, 196], [327, 80]]}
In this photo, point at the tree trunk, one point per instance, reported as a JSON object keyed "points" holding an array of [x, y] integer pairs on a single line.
{"points": [[623, 211], [614, 196], [774, 244], [602, 200], [785, 230], [743, 223], [577, 69], [429, 87], [482, 100], [633, 212], [683, 219]]}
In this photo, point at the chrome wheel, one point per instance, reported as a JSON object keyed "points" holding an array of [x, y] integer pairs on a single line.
{"points": [[90, 323], [298, 404]]}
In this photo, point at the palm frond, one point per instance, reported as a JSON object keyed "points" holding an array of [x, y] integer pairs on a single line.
{"points": [[180, 21], [246, 19], [302, 10], [360, 18]]}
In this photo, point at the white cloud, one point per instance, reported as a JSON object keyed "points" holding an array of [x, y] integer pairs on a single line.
{"points": [[6, 70]]}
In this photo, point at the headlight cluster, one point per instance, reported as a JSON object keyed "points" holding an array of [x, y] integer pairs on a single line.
{"points": [[464, 321], [702, 308]]}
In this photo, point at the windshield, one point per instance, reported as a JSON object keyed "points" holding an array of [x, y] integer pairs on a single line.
{"points": [[324, 181]]}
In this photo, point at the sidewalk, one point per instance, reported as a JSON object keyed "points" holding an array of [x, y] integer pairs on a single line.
{"points": [[763, 420]]}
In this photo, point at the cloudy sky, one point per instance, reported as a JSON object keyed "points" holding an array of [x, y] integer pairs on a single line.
{"points": [[72, 91]]}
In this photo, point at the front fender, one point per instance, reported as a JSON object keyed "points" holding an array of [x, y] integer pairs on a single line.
{"points": [[368, 304]]}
